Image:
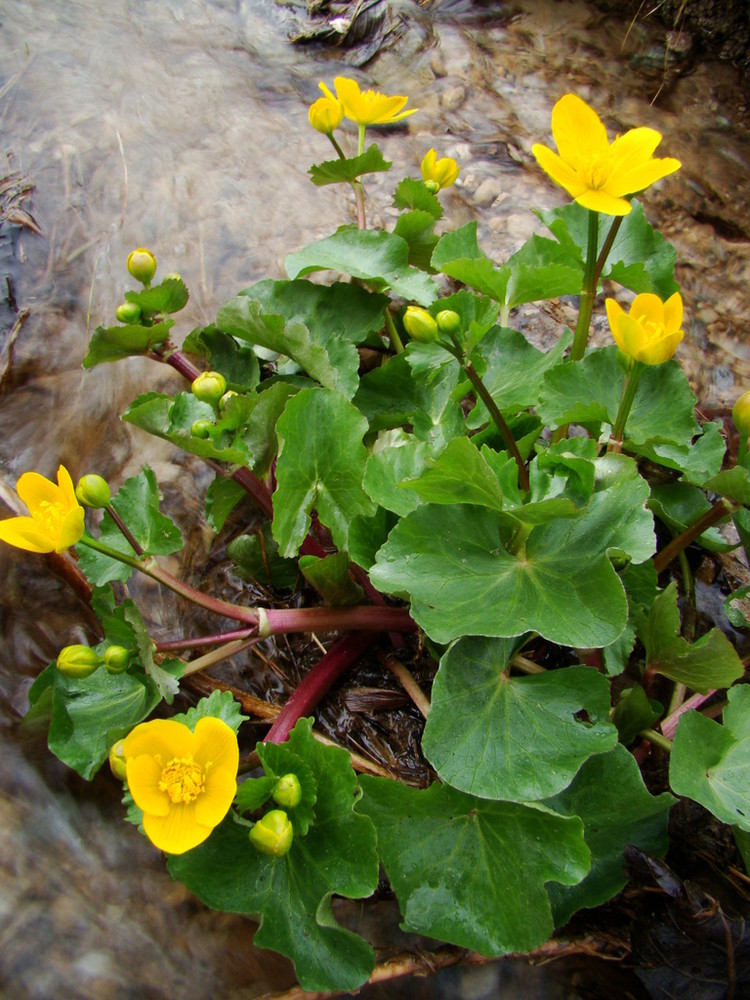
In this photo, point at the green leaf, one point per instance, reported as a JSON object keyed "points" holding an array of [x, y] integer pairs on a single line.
{"points": [[611, 822], [333, 363], [371, 255], [711, 662], [291, 895], [454, 562], [254, 793], [737, 607], [172, 420], [111, 343], [256, 557], [87, 715], [634, 712], [417, 229], [222, 497], [388, 467], [218, 705], [367, 534], [338, 171], [277, 760], [679, 505], [160, 674], [259, 435], [137, 503], [734, 484], [238, 365], [478, 315], [588, 393], [514, 738], [469, 871], [458, 255], [640, 258], [711, 763], [321, 464], [459, 475], [412, 193], [512, 370], [168, 297], [330, 577], [340, 310]]}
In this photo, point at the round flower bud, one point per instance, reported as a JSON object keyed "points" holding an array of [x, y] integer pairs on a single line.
{"points": [[448, 321], [172, 276], [117, 760], [201, 428], [273, 834], [116, 659], [432, 186], [420, 325], [209, 387], [78, 661], [288, 791], [141, 264], [128, 312], [325, 114], [92, 491], [741, 414]]}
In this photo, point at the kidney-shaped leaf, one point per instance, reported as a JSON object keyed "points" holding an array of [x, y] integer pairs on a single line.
{"points": [[513, 738], [469, 871]]}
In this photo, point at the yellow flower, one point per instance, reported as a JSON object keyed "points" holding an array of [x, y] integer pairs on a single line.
{"points": [[367, 107], [442, 172], [56, 520], [650, 332], [183, 781], [325, 114], [593, 172]]}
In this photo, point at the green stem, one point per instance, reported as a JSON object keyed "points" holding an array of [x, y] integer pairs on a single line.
{"points": [[657, 739], [588, 291], [396, 342], [498, 419], [217, 655], [629, 389], [721, 509], [742, 451], [125, 530], [606, 247], [359, 195]]}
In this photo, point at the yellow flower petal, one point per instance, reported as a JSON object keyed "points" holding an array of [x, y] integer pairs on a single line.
{"points": [[163, 737], [214, 803], [634, 148], [579, 133], [176, 832], [649, 307], [144, 774], [71, 530], [559, 171], [216, 743], [673, 312], [369, 107], [600, 201], [641, 177], [35, 490], [660, 351], [25, 533], [66, 486]]}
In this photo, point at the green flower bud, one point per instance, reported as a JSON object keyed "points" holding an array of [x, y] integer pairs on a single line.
{"points": [[227, 398], [116, 659], [172, 276], [92, 491], [448, 321], [78, 661], [273, 834], [741, 414], [420, 325], [201, 428], [117, 760], [128, 312], [141, 264], [288, 791], [209, 387], [432, 186]]}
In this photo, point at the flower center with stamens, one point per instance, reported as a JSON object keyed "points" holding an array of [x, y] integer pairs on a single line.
{"points": [[651, 331], [50, 516], [182, 779], [599, 171]]}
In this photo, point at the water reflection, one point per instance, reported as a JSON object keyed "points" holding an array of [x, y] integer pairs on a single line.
{"points": [[183, 126]]}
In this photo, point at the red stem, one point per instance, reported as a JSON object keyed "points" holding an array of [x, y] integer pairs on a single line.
{"points": [[321, 678], [359, 618]]}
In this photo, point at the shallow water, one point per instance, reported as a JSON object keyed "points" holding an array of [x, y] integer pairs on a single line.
{"points": [[183, 126]]}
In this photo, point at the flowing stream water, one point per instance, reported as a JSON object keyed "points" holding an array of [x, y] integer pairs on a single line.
{"points": [[182, 126]]}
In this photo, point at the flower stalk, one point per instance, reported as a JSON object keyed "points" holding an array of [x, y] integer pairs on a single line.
{"points": [[629, 389], [721, 509], [588, 291]]}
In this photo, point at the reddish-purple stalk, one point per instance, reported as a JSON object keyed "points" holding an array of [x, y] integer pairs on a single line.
{"points": [[721, 509], [318, 682], [669, 725], [205, 640]]}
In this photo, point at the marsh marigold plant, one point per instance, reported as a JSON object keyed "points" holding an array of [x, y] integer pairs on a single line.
{"points": [[55, 520], [443, 172], [594, 172], [183, 781]]}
